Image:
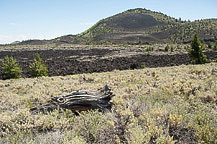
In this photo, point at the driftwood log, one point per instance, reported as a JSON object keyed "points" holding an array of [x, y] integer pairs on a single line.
{"points": [[77, 101]]}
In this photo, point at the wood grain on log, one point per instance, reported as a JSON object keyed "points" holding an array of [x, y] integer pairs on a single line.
{"points": [[80, 100]]}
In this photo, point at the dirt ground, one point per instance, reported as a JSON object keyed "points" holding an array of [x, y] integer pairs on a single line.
{"points": [[88, 60]]}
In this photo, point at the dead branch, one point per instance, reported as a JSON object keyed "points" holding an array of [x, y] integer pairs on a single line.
{"points": [[81, 100]]}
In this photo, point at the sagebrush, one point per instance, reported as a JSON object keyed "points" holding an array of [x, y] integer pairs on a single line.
{"points": [[152, 105]]}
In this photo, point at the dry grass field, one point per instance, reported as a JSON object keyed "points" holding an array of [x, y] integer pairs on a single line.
{"points": [[152, 105]]}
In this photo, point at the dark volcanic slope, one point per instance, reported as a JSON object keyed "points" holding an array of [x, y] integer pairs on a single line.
{"points": [[132, 22], [66, 62]]}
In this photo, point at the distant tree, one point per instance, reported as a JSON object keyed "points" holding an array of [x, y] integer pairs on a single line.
{"points": [[37, 67], [171, 48], [10, 68], [139, 42], [167, 48], [196, 51]]}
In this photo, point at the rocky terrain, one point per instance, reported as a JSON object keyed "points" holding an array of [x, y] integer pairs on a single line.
{"points": [[77, 60]]}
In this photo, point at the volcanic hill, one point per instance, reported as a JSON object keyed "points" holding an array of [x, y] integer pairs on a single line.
{"points": [[141, 26]]}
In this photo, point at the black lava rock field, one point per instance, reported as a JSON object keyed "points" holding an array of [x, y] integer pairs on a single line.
{"points": [[89, 60]]}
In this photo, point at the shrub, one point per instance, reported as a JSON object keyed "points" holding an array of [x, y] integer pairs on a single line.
{"points": [[205, 131], [142, 66], [150, 49], [10, 68], [37, 67], [195, 53], [167, 48]]}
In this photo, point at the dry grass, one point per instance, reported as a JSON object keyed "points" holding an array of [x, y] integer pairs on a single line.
{"points": [[152, 105]]}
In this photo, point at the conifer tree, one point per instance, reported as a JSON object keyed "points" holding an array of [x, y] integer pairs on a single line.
{"points": [[38, 67], [10, 68], [196, 51]]}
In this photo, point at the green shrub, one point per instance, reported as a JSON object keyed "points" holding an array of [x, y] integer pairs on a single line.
{"points": [[142, 66], [195, 53], [150, 49], [10, 68], [167, 48], [37, 67]]}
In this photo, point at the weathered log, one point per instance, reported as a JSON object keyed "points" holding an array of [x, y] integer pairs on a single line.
{"points": [[77, 101]]}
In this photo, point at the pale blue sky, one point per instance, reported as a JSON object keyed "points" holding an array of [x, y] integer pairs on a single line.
{"points": [[46, 19]]}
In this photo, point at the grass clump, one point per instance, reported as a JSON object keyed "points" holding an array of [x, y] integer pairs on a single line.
{"points": [[38, 67], [10, 68]]}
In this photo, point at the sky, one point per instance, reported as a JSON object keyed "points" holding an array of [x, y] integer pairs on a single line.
{"points": [[47, 19]]}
